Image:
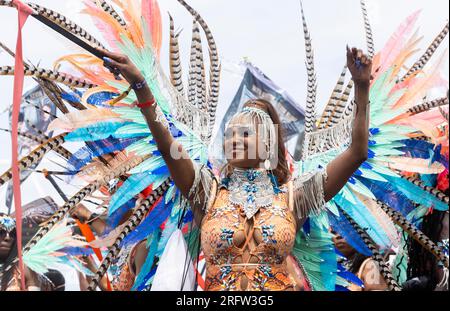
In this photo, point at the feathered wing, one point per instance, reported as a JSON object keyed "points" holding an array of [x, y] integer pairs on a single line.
{"points": [[134, 28], [50, 250], [381, 177]]}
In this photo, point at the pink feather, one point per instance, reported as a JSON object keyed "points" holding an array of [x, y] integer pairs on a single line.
{"points": [[397, 42], [82, 118], [431, 79], [412, 165], [152, 15], [382, 218], [103, 23]]}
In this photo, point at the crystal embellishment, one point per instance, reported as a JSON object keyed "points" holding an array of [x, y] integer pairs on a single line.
{"points": [[251, 189]]}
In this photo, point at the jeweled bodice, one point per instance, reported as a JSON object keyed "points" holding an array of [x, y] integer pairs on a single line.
{"points": [[247, 236]]}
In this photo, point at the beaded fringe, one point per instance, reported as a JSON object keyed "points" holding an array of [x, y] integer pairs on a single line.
{"points": [[324, 140], [309, 193], [443, 285], [200, 192]]}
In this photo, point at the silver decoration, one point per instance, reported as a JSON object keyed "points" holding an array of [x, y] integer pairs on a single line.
{"points": [[250, 193]]}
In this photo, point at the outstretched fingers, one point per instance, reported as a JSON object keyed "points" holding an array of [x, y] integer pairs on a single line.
{"points": [[350, 59]]}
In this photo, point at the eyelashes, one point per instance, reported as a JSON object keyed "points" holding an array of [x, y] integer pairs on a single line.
{"points": [[241, 131]]}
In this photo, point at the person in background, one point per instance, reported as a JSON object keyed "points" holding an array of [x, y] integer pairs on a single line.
{"points": [[425, 272], [129, 268], [56, 279], [10, 278], [364, 267]]}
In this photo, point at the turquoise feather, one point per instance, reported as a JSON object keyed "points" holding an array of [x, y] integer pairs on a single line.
{"points": [[132, 186], [152, 246], [316, 253], [149, 165], [358, 211], [362, 189], [416, 194], [132, 130], [142, 147], [99, 131], [132, 114]]}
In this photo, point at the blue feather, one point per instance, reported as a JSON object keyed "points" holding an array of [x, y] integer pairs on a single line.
{"points": [[358, 211], [429, 180], [307, 226], [416, 194], [77, 251], [99, 99], [340, 288], [115, 218], [132, 186], [188, 217], [345, 229], [153, 221], [387, 193], [416, 148], [95, 149], [101, 130], [144, 274], [349, 276], [71, 97]]}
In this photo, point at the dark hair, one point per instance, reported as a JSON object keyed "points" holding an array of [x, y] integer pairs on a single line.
{"points": [[58, 282], [281, 171], [421, 262], [356, 262]]}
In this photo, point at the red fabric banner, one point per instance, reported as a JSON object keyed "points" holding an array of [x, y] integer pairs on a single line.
{"points": [[23, 12]]}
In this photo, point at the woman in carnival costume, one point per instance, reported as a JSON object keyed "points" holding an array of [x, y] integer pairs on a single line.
{"points": [[249, 218], [260, 210]]}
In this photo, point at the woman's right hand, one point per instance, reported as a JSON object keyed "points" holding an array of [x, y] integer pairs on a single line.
{"points": [[124, 65]]}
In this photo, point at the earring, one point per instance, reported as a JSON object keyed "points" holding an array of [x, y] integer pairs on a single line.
{"points": [[267, 164]]}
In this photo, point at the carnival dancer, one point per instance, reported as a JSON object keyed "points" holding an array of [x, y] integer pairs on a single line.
{"points": [[250, 218], [258, 211]]}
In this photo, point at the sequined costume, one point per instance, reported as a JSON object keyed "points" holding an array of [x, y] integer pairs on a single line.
{"points": [[246, 248], [107, 121]]}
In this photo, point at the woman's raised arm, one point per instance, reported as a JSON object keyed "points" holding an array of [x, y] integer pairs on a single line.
{"points": [[180, 166], [343, 167]]}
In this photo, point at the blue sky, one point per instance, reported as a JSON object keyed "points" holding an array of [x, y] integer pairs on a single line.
{"points": [[267, 32]]}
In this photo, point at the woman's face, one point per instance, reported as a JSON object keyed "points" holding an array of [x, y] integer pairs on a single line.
{"points": [[242, 144], [6, 243], [342, 246]]}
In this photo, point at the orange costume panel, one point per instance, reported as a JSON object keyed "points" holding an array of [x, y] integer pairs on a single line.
{"points": [[249, 230], [268, 242]]}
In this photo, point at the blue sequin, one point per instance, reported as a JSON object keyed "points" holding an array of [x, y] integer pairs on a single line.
{"points": [[225, 271], [268, 232], [374, 131], [266, 270], [227, 235], [252, 175]]}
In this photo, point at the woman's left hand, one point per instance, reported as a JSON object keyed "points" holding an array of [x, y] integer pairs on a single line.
{"points": [[360, 66]]}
